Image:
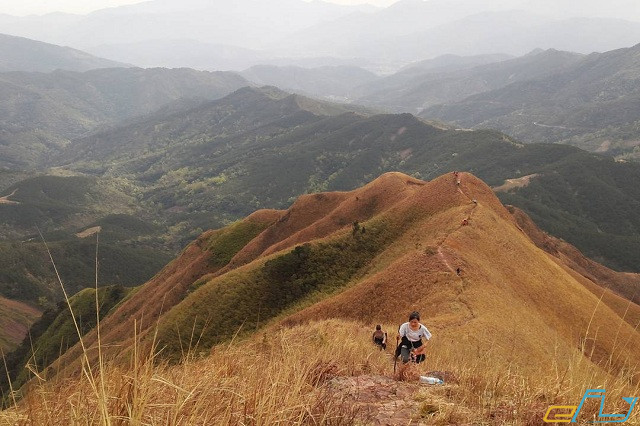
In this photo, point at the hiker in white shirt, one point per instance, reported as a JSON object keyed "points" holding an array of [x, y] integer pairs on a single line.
{"points": [[411, 334]]}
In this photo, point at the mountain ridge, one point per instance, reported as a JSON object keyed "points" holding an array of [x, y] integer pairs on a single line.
{"points": [[38, 56], [43, 112], [589, 104], [320, 148], [416, 234]]}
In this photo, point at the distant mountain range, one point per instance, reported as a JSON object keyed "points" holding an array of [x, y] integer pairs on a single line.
{"points": [[22, 54], [249, 23], [374, 36], [197, 164], [545, 96], [182, 53], [427, 84], [295, 207], [220, 35], [43, 112], [152, 183], [332, 82], [591, 102]]}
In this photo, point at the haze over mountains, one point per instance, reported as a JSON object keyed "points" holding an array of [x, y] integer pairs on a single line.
{"points": [[510, 32], [43, 112], [21, 54], [248, 23], [428, 83], [591, 103], [545, 96], [223, 36]]}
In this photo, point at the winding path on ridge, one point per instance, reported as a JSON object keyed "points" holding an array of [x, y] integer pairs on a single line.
{"points": [[465, 222], [382, 400]]}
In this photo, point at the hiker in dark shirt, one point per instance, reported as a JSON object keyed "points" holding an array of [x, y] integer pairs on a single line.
{"points": [[380, 337]]}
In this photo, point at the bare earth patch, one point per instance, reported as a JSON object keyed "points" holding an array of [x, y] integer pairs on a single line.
{"points": [[5, 199], [604, 146], [379, 400], [510, 184], [89, 232]]}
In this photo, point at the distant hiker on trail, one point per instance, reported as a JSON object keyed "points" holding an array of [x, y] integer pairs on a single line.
{"points": [[411, 333], [380, 337]]}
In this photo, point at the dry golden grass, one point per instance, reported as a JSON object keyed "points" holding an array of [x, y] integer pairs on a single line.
{"points": [[283, 376], [625, 284], [278, 377]]}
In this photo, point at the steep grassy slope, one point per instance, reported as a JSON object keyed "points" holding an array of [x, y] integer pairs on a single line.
{"points": [[624, 284], [511, 299], [15, 320], [207, 255], [313, 261], [54, 332], [338, 377]]}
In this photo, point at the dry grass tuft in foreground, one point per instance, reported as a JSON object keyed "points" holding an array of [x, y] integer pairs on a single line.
{"points": [[321, 373], [279, 378]]}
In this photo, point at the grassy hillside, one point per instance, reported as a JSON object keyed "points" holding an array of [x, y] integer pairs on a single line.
{"points": [[338, 378], [620, 283], [15, 320], [204, 169], [248, 298], [55, 331], [311, 285]]}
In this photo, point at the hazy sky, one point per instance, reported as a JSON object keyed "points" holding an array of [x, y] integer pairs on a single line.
{"points": [[26, 7], [22, 7]]}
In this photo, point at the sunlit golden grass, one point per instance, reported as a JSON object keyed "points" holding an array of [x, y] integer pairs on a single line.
{"points": [[489, 391], [277, 378], [281, 376]]}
